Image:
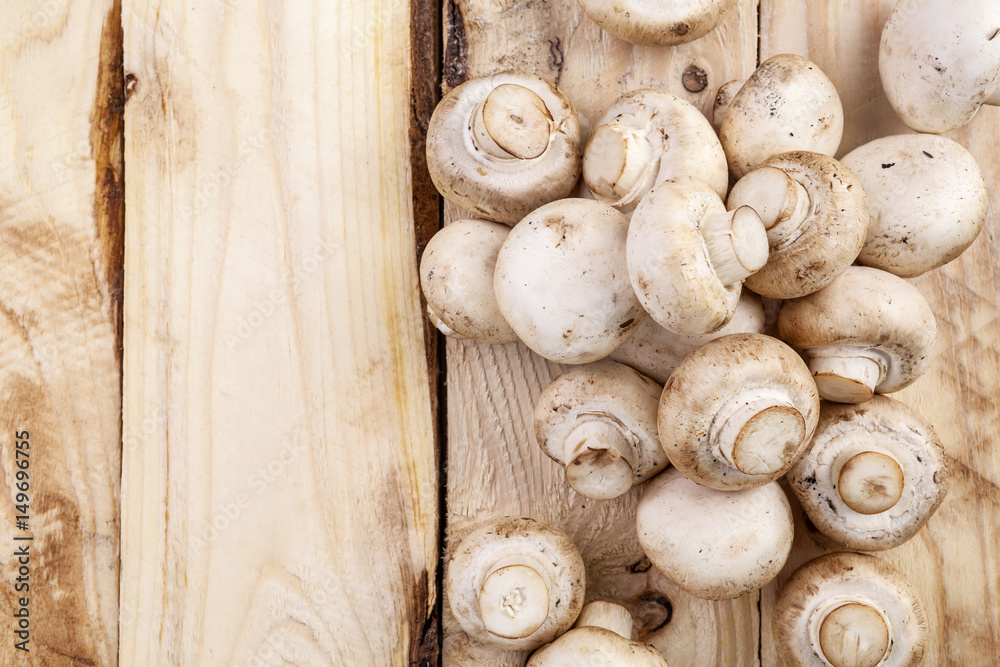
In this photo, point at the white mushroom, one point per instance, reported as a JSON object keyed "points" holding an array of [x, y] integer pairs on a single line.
{"points": [[645, 138], [502, 146], [688, 256], [816, 216], [849, 610], [516, 583], [456, 275], [868, 331], [599, 422], [716, 545], [927, 198], [562, 284], [723, 98], [940, 61], [788, 104], [657, 22], [873, 475]]}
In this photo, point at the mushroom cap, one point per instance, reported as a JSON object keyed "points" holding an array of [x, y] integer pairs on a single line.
{"points": [[846, 431], [562, 284], [668, 260], [605, 391], [656, 352], [867, 309], [456, 275], [682, 140], [716, 545], [939, 61], [828, 239], [698, 394], [787, 104], [596, 647], [657, 22], [503, 189], [506, 541], [829, 583], [927, 201]]}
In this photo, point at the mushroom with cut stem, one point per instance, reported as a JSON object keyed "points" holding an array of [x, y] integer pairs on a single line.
{"points": [[927, 198], [562, 284], [868, 331], [516, 583], [816, 216], [501, 146], [601, 637], [645, 138], [874, 474], [688, 256], [657, 22], [940, 61], [456, 275], [716, 545], [787, 104], [849, 610], [599, 422]]}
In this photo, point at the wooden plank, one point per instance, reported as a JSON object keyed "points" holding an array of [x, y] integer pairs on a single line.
{"points": [[60, 266], [955, 560], [494, 465], [281, 498]]}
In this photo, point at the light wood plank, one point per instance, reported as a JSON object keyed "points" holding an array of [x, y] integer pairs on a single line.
{"points": [[281, 495]]}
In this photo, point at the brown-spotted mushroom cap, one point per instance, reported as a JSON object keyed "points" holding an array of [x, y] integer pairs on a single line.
{"points": [[657, 22], [599, 422], [868, 331], [516, 583], [849, 610], [927, 199], [816, 216], [788, 104], [562, 284], [645, 138], [602, 637], [688, 256], [656, 352], [738, 412], [501, 146], [456, 275], [940, 61], [716, 545], [873, 475]]}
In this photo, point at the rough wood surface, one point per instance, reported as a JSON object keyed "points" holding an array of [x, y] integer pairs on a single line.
{"points": [[280, 478], [60, 264]]}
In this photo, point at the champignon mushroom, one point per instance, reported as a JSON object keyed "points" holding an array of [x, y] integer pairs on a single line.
{"points": [[849, 610], [927, 199], [657, 23], [816, 216], [688, 256], [656, 352], [562, 284], [599, 422], [456, 275], [940, 61], [873, 475], [516, 583], [723, 98], [502, 146], [716, 545], [868, 331], [602, 637], [788, 104], [645, 138], [738, 412]]}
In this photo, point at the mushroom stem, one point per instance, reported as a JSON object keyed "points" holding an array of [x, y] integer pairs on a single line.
{"points": [[994, 98], [870, 482], [736, 242], [723, 99], [512, 123], [781, 202], [442, 327], [607, 615], [601, 460], [616, 161], [853, 635], [846, 375], [755, 433], [513, 601]]}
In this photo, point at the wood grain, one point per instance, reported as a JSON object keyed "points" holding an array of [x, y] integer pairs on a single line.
{"points": [[60, 267], [280, 478]]}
